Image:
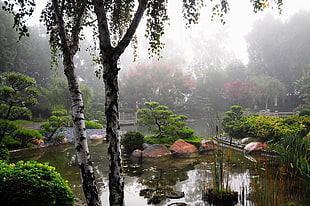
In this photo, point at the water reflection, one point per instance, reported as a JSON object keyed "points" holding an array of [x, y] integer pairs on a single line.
{"points": [[258, 182]]}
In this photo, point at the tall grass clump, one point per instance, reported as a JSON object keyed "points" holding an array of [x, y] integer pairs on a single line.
{"points": [[294, 151]]}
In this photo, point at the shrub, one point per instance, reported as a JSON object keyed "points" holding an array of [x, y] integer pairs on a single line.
{"points": [[33, 184], [25, 136], [7, 128], [132, 141], [93, 125], [11, 143], [48, 129], [267, 128], [4, 153], [304, 112], [167, 141]]}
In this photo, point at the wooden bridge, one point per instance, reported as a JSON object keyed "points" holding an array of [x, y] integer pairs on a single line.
{"points": [[126, 118], [273, 114]]}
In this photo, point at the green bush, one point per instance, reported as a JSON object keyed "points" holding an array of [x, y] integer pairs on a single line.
{"points": [[8, 127], [11, 143], [93, 125], [4, 153], [132, 141], [267, 128], [55, 123], [304, 112], [25, 136], [33, 184], [168, 141], [153, 139]]}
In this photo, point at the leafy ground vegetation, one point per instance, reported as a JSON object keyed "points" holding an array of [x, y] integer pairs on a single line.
{"points": [[32, 183], [289, 136]]}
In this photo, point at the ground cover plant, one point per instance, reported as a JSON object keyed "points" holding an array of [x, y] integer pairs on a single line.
{"points": [[32, 183], [264, 128]]}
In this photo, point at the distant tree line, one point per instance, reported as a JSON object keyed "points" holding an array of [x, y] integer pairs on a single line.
{"points": [[275, 77]]}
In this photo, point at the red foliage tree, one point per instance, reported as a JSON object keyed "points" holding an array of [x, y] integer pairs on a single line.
{"points": [[156, 82], [240, 92]]}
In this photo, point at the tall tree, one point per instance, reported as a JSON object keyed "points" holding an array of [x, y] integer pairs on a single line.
{"points": [[156, 82], [117, 22], [303, 86], [270, 90], [240, 92], [64, 20], [280, 49]]}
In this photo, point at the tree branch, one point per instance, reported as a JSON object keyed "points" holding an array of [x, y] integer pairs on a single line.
{"points": [[60, 26], [132, 28], [77, 26], [104, 33]]}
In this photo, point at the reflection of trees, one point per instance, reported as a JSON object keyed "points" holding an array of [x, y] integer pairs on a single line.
{"points": [[160, 174]]}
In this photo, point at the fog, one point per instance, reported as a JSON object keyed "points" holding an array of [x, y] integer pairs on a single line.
{"points": [[254, 60]]}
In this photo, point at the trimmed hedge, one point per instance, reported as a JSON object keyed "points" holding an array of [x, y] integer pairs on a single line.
{"points": [[93, 125], [33, 184], [132, 141]]}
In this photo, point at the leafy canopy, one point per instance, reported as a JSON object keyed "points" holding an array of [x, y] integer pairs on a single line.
{"points": [[18, 91], [160, 120]]}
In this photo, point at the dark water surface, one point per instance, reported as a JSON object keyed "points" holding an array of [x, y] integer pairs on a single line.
{"points": [[257, 183]]}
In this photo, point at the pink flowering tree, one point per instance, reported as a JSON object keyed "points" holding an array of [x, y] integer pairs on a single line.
{"points": [[156, 82], [240, 92]]}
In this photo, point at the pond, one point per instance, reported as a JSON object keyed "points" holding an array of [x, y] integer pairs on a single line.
{"points": [[257, 182]]}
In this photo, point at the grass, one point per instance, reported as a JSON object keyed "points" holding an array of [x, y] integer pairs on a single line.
{"points": [[23, 122]]}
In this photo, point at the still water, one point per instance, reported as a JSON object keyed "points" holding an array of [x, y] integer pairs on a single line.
{"points": [[257, 183]]}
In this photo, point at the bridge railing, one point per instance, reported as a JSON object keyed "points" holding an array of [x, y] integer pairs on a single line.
{"points": [[128, 118]]}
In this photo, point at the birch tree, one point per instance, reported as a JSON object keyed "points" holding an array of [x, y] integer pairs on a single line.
{"points": [[64, 21], [117, 21]]}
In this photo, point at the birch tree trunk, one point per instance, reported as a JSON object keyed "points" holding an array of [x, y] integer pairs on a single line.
{"points": [[69, 47], [116, 180], [109, 57]]}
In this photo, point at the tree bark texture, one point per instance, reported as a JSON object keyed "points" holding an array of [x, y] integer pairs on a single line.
{"points": [[116, 180], [87, 173], [109, 57], [69, 48]]}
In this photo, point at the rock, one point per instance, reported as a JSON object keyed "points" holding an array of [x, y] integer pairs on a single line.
{"points": [[179, 204], [96, 136], [137, 153], [156, 150], [207, 145], [254, 147], [181, 147], [246, 140], [37, 141], [175, 195], [145, 145]]}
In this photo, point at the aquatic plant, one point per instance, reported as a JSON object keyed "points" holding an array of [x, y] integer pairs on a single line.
{"points": [[294, 150], [221, 193]]}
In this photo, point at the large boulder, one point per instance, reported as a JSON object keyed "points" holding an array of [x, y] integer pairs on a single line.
{"points": [[181, 147], [96, 136], [254, 147], [207, 145], [156, 150]]}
